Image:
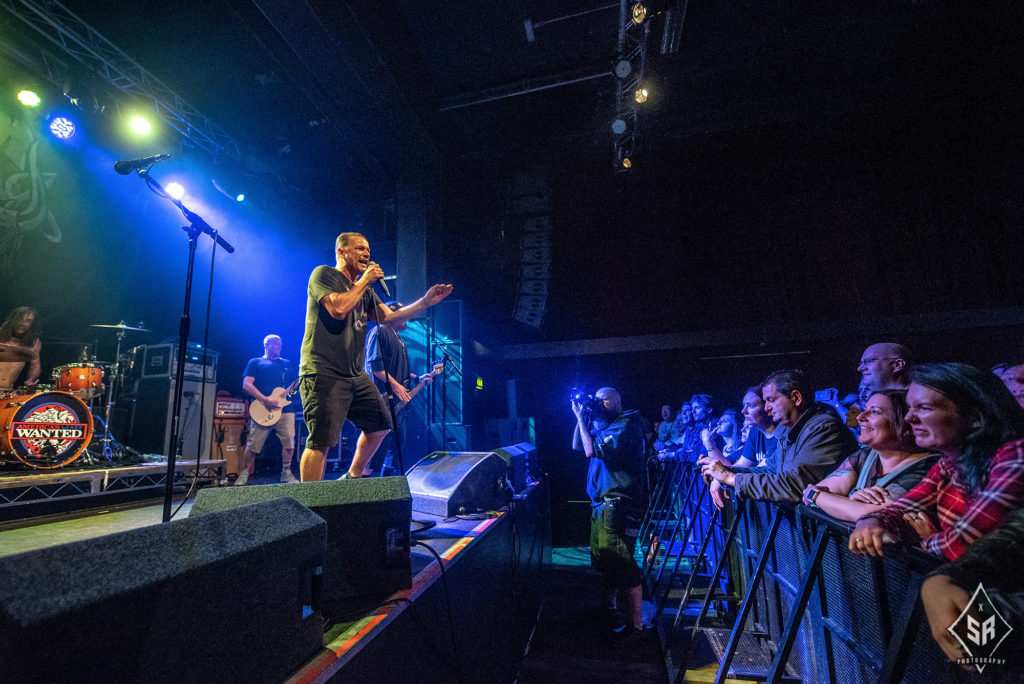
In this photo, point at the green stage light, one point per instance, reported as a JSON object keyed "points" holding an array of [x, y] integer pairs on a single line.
{"points": [[141, 125], [28, 98]]}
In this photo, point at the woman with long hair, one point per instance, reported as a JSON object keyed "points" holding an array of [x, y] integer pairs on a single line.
{"points": [[973, 422]]}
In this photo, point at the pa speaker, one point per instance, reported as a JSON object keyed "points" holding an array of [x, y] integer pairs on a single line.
{"points": [[227, 598], [367, 533], [448, 483], [518, 457]]}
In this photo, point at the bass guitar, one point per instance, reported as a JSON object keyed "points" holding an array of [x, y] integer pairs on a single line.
{"points": [[438, 369]]}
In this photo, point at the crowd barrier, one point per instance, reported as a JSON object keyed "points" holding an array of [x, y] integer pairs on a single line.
{"points": [[780, 596]]}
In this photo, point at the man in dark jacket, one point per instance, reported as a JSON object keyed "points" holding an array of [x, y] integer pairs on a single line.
{"points": [[812, 442], [613, 440]]}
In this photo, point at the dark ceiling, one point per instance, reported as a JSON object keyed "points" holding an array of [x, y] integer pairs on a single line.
{"points": [[848, 143]]}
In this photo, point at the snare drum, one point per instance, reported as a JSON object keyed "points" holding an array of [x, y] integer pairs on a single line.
{"points": [[83, 379], [46, 430]]}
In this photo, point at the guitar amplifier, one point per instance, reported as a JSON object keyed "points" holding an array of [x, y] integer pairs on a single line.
{"points": [[161, 361], [227, 408]]}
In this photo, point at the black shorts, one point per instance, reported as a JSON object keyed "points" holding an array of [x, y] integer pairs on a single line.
{"points": [[613, 530], [328, 401]]}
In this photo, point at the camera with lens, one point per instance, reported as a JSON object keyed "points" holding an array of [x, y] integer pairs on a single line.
{"points": [[589, 402]]}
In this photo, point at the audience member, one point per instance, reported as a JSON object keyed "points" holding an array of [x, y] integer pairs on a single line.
{"points": [[884, 366], [664, 432], [722, 440], [889, 466], [973, 422], [693, 447], [812, 441], [1013, 377], [681, 426]]}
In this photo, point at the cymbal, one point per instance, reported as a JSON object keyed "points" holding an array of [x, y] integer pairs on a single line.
{"points": [[14, 353], [119, 326]]}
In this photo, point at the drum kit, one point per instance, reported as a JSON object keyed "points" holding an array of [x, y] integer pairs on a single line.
{"points": [[46, 427]]}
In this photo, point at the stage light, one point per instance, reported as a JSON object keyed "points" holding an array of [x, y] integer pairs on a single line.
{"points": [[639, 13], [623, 68], [619, 126], [627, 163], [640, 95], [62, 127], [28, 98], [479, 383], [141, 125], [240, 197], [175, 190]]}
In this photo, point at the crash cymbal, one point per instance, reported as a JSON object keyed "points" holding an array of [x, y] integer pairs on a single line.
{"points": [[13, 353], [119, 326]]}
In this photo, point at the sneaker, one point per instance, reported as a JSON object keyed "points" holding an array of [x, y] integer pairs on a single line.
{"points": [[625, 636], [243, 478], [286, 476]]}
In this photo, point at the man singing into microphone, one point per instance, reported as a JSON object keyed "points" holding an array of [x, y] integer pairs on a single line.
{"points": [[334, 386]]}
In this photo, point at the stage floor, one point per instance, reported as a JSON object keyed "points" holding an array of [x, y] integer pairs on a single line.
{"points": [[471, 622]]}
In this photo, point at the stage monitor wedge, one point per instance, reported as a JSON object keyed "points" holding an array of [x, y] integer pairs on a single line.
{"points": [[367, 533], [225, 598], [450, 483]]}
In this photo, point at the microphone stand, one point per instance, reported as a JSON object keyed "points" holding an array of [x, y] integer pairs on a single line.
{"points": [[390, 396], [444, 389], [194, 229]]}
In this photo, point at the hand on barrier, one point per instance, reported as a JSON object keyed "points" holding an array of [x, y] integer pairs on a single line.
{"points": [[868, 537], [943, 603], [718, 494]]}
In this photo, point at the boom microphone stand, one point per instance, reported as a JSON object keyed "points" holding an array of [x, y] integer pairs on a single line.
{"points": [[196, 226]]}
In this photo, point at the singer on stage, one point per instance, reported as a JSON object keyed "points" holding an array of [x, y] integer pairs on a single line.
{"points": [[333, 385]]}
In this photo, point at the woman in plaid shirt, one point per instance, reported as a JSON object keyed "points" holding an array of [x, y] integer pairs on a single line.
{"points": [[972, 420]]}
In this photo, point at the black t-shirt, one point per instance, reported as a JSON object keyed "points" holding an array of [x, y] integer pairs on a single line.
{"points": [[331, 346], [268, 375], [396, 357]]}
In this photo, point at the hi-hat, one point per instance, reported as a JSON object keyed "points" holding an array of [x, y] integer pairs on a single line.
{"points": [[13, 353], [119, 326]]}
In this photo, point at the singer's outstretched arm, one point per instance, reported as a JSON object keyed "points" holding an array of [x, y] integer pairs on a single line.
{"points": [[432, 297]]}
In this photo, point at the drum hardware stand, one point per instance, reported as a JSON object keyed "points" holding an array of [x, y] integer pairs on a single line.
{"points": [[194, 229]]}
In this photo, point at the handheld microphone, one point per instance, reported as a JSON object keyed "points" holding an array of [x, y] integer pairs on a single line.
{"points": [[383, 285], [125, 167]]}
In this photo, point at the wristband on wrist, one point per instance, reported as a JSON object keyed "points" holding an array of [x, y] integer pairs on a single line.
{"points": [[813, 498]]}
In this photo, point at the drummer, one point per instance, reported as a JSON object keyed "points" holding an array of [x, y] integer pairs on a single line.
{"points": [[20, 329]]}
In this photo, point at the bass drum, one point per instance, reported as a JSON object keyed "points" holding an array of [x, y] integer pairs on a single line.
{"points": [[44, 431]]}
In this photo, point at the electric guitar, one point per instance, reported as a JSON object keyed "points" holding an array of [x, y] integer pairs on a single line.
{"points": [[438, 369], [261, 415]]}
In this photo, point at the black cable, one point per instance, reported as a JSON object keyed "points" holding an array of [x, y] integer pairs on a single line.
{"points": [[448, 600], [202, 388]]}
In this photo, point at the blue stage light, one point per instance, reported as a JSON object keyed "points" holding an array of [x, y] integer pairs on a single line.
{"points": [[62, 127], [175, 190]]}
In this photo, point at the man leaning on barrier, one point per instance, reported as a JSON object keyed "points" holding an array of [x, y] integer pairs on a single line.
{"points": [[613, 440], [812, 441]]}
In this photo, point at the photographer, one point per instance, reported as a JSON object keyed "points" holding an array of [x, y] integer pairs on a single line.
{"points": [[613, 441]]}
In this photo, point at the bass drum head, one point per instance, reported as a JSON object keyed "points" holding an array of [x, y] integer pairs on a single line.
{"points": [[43, 431]]}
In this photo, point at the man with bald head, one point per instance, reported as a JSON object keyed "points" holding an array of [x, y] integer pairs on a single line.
{"points": [[884, 366], [613, 441]]}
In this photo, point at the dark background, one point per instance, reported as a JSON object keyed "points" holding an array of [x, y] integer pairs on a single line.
{"points": [[810, 177]]}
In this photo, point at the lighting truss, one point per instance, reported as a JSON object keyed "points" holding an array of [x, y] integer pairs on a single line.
{"points": [[632, 45], [82, 43]]}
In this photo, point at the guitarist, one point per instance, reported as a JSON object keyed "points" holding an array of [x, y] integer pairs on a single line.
{"points": [[399, 378], [262, 376]]}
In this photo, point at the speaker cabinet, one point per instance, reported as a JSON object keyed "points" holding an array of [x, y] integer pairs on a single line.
{"points": [[448, 483], [223, 598], [367, 533], [153, 411], [518, 457]]}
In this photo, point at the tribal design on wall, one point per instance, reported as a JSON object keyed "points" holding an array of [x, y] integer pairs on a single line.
{"points": [[23, 191]]}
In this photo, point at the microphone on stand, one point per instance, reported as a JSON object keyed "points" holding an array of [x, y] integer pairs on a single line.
{"points": [[125, 167]]}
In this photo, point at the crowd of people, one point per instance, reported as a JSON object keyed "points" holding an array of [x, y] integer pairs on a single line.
{"points": [[926, 455]]}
